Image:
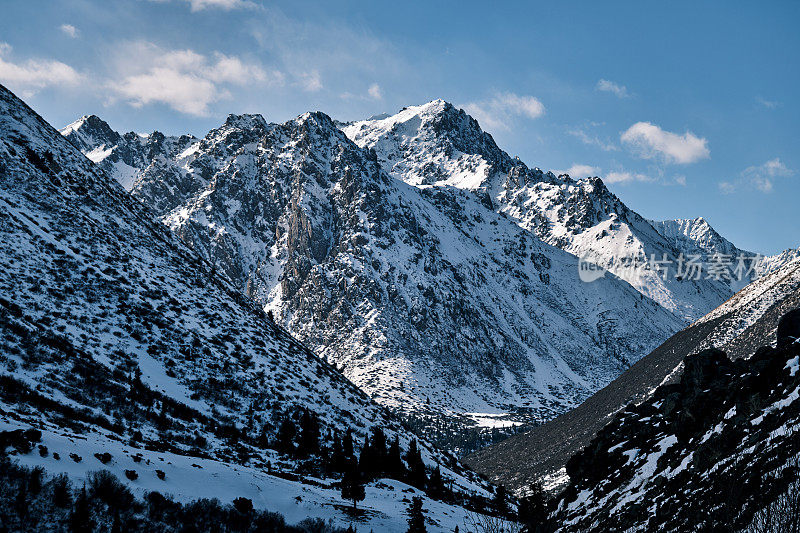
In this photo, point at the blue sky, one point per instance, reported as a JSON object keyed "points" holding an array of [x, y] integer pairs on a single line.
{"points": [[684, 108]]}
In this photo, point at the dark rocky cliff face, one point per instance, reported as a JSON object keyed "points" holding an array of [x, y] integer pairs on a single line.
{"points": [[704, 453]]}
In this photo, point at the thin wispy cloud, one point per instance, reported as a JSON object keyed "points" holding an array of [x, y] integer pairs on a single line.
{"points": [[758, 177], [769, 104], [337, 58], [32, 75], [592, 140], [70, 31], [500, 110], [649, 141], [226, 5], [310, 81], [375, 92], [185, 80], [578, 171], [608, 86], [626, 177], [372, 93]]}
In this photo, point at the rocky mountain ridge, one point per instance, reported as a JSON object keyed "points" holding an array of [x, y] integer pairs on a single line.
{"points": [[429, 300], [438, 145], [739, 327]]}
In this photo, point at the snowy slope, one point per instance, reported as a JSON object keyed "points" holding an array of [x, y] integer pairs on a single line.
{"points": [[134, 158], [436, 145], [429, 300], [775, 292], [702, 454], [771, 263], [115, 336], [189, 478]]}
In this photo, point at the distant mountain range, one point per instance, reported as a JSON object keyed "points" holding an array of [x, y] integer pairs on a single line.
{"points": [[438, 145], [413, 253], [739, 327], [243, 315]]}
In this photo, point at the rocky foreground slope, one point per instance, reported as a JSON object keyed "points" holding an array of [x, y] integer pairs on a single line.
{"points": [[427, 298], [707, 453]]}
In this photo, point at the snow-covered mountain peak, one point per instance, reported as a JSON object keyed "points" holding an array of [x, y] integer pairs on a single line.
{"points": [[92, 135], [91, 124], [317, 125], [695, 236], [246, 121], [236, 132], [433, 144], [438, 145]]}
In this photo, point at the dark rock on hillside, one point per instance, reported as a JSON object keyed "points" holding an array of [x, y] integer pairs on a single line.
{"points": [[542, 453], [705, 453]]}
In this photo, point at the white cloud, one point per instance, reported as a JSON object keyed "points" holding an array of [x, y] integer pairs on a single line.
{"points": [[70, 30], [183, 92], [226, 5], [310, 81], [528, 106], [375, 92], [650, 141], [185, 80], [769, 104], [234, 70], [620, 91], [580, 171], [497, 112], [198, 5], [592, 140], [29, 76], [626, 177], [760, 177]]}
